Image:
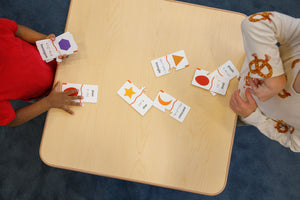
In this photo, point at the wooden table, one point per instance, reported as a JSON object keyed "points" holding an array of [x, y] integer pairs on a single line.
{"points": [[117, 40]]}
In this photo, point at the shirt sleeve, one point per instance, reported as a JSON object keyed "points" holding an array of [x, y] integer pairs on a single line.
{"points": [[7, 113], [261, 35], [284, 134], [7, 25]]}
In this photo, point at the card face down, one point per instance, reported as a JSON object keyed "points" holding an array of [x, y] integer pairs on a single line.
{"points": [[162, 65], [89, 92]]}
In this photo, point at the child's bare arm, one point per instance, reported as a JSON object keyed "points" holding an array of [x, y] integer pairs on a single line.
{"points": [[29, 35], [56, 99]]}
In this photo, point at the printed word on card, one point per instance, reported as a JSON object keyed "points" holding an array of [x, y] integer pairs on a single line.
{"points": [[89, 92], [135, 97], [217, 81], [162, 65], [164, 101], [63, 44]]}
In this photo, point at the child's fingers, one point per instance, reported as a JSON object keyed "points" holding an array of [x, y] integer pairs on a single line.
{"points": [[252, 84], [70, 92], [68, 110], [76, 97], [73, 103]]}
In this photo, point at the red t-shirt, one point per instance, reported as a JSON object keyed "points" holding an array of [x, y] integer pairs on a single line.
{"points": [[23, 73]]}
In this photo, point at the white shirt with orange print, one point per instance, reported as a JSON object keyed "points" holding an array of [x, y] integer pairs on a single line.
{"points": [[272, 46]]}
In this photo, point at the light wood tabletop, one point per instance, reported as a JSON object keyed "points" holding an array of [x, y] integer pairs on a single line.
{"points": [[117, 40]]}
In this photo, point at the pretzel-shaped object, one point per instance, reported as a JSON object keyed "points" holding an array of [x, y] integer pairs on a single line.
{"points": [[264, 16], [259, 64], [283, 127]]}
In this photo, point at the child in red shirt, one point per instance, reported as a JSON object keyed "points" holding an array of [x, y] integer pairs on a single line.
{"points": [[24, 76]]}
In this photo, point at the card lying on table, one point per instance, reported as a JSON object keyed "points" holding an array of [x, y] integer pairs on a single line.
{"points": [[89, 92], [164, 101], [135, 97], [63, 44], [162, 65], [217, 81]]}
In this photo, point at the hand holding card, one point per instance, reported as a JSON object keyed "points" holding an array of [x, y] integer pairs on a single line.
{"points": [[63, 44]]}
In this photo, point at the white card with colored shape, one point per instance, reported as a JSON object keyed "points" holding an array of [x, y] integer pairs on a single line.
{"points": [[162, 65], [89, 92], [63, 44], [129, 92], [217, 81], [164, 101], [135, 97]]}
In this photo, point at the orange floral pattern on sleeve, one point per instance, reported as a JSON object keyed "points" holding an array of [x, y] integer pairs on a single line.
{"points": [[261, 16]]}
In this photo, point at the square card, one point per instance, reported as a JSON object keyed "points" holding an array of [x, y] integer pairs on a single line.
{"points": [[163, 101], [142, 104], [228, 70], [202, 79], [46, 49], [162, 65], [129, 92], [178, 60], [65, 44], [89, 92], [219, 83], [179, 111]]}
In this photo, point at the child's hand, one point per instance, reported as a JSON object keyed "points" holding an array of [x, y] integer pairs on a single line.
{"points": [[241, 107], [267, 88], [62, 100]]}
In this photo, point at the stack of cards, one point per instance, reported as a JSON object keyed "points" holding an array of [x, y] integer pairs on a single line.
{"points": [[135, 97], [162, 65], [63, 44], [165, 101], [89, 92], [217, 81]]}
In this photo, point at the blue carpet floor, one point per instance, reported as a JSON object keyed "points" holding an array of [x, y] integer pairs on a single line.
{"points": [[260, 169]]}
